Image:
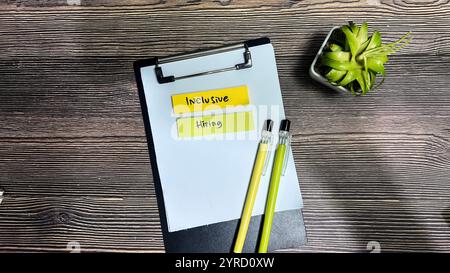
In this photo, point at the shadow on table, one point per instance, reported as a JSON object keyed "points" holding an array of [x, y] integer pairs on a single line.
{"points": [[304, 64], [369, 206], [338, 168], [446, 215]]}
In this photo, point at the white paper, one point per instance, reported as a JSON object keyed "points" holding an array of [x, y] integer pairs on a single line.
{"points": [[206, 181]]}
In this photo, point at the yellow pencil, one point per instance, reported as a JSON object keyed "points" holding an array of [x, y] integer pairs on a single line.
{"points": [[259, 168]]}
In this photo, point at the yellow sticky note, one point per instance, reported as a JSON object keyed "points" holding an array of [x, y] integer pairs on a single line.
{"points": [[215, 124], [210, 100]]}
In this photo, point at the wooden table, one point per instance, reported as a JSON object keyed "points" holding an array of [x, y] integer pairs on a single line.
{"points": [[73, 155]]}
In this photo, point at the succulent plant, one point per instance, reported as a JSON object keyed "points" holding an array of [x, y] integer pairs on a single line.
{"points": [[353, 60]]}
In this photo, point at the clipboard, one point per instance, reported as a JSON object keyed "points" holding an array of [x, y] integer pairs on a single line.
{"points": [[206, 219]]}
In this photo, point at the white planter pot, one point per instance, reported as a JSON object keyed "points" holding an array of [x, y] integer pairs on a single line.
{"points": [[314, 71]]}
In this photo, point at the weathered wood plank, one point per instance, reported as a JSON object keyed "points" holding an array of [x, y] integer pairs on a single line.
{"points": [[96, 224], [367, 164], [104, 89], [147, 30], [397, 225], [113, 224]]}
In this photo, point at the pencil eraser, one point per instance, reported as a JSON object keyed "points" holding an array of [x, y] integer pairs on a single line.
{"points": [[285, 125], [268, 125]]}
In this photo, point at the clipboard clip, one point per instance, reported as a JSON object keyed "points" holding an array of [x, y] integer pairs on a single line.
{"points": [[166, 79]]}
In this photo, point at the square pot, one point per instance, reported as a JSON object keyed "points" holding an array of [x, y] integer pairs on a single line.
{"points": [[314, 71]]}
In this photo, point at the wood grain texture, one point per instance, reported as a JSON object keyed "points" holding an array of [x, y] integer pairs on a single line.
{"points": [[73, 155]]}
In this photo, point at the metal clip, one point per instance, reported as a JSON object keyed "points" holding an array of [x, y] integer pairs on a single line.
{"points": [[285, 139], [166, 79], [286, 154], [1, 196], [269, 140]]}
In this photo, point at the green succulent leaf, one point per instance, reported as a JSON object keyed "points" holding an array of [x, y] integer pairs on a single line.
{"points": [[376, 64], [335, 47], [362, 47], [367, 81], [373, 77], [353, 27], [362, 34], [361, 81], [351, 40], [384, 50], [335, 75], [340, 65], [374, 41], [340, 56], [349, 77]]}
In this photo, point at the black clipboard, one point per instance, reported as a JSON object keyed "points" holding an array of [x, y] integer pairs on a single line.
{"points": [[288, 230]]}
